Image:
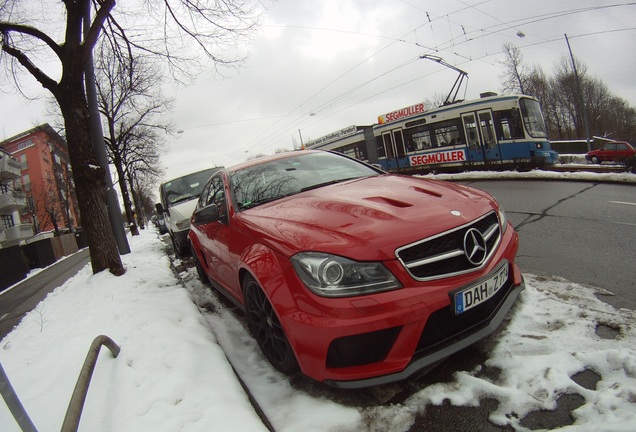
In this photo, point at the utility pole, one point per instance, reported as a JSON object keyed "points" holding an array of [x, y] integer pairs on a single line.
{"points": [[580, 97], [97, 136]]}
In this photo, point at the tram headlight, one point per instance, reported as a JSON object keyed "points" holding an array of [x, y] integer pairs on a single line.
{"points": [[334, 276]]}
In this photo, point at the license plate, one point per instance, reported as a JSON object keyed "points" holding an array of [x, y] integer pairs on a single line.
{"points": [[477, 294]]}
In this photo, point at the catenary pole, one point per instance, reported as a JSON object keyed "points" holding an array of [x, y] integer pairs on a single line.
{"points": [[97, 136]]}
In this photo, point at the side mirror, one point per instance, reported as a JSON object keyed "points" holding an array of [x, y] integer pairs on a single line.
{"points": [[206, 215]]}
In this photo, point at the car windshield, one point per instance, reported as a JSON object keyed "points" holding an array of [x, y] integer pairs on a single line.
{"points": [[272, 180], [187, 187]]}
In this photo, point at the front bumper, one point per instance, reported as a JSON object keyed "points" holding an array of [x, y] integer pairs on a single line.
{"points": [[426, 358], [369, 340]]}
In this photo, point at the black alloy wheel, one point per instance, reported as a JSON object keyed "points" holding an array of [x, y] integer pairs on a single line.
{"points": [[266, 329]]}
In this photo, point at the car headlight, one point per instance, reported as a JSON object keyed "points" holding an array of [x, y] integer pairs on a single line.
{"points": [[503, 220], [183, 224], [334, 276]]}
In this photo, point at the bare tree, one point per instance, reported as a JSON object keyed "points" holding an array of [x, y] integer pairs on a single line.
{"points": [[515, 70], [30, 36], [142, 167], [434, 101], [607, 114], [131, 105], [43, 207]]}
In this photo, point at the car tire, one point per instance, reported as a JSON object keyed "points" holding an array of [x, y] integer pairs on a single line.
{"points": [[595, 160], [266, 328], [200, 271], [179, 250]]}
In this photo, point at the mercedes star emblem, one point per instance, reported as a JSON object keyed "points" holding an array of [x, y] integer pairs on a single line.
{"points": [[475, 247]]}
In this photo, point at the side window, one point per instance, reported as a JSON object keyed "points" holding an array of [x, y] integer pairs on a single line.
{"points": [[216, 195], [204, 195]]}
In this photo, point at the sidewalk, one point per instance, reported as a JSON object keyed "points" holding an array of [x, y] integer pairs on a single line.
{"points": [[170, 374]]}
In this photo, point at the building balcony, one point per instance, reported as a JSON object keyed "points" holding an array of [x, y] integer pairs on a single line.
{"points": [[12, 201], [9, 168], [14, 235]]}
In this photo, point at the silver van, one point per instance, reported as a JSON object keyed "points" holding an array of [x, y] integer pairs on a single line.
{"points": [[178, 198]]}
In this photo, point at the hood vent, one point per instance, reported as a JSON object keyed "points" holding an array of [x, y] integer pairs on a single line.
{"points": [[427, 192], [389, 201]]}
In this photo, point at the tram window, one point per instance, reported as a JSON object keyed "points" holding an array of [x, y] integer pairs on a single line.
{"points": [[418, 138], [361, 151], [380, 147], [388, 145], [447, 134], [471, 131], [532, 118], [350, 151], [487, 131], [508, 124], [399, 142]]}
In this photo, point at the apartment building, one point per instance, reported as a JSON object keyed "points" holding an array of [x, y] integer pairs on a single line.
{"points": [[45, 179], [12, 201]]}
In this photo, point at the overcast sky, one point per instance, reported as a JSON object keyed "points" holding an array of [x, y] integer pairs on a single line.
{"points": [[319, 66]]}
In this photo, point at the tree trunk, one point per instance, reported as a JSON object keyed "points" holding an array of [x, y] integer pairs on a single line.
{"points": [[134, 230], [89, 177], [136, 199]]}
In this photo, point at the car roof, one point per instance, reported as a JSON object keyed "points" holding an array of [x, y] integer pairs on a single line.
{"points": [[212, 169]]}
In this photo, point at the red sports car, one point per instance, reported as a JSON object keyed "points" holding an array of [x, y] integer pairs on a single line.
{"points": [[354, 276]]}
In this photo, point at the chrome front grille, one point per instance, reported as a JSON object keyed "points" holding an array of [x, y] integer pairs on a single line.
{"points": [[445, 254]]}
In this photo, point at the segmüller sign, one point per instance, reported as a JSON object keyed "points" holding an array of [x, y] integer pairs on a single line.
{"points": [[402, 113], [438, 157]]}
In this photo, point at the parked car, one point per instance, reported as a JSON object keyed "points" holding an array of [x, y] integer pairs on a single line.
{"points": [[351, 275], [160, 223], [178, 198], [616, 151]]}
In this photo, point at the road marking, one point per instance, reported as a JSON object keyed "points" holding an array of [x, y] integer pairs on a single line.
{"points": [[622, 202], [4, 316]]}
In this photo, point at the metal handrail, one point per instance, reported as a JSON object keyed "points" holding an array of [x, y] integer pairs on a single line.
{"points": [[14, 404], [76, 405]]}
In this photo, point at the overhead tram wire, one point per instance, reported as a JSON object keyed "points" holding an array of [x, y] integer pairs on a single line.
{"points": [[445, 46], [536, 18], [478, 58], [294, 125], [401, 39]]}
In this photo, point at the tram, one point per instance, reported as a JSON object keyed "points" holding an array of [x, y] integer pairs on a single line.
{"points": [[486, 133]]}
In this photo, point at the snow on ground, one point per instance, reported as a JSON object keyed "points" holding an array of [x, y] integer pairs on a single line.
{"points": [[577, 162], [173, 371]]}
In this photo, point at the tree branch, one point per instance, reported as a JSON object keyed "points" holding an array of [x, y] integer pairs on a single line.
{"points": [[6, 28], [47, 82]]}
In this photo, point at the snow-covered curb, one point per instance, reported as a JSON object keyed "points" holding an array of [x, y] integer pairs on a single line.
{"points": [[625, 177]]}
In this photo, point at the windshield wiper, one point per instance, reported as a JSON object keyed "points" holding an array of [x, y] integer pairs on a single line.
{"points": [[327, 183], [183, 198], [251, 204]]}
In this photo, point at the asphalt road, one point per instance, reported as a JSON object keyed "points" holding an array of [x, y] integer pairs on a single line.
{"points": [[583, 232], [25, 296]]}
